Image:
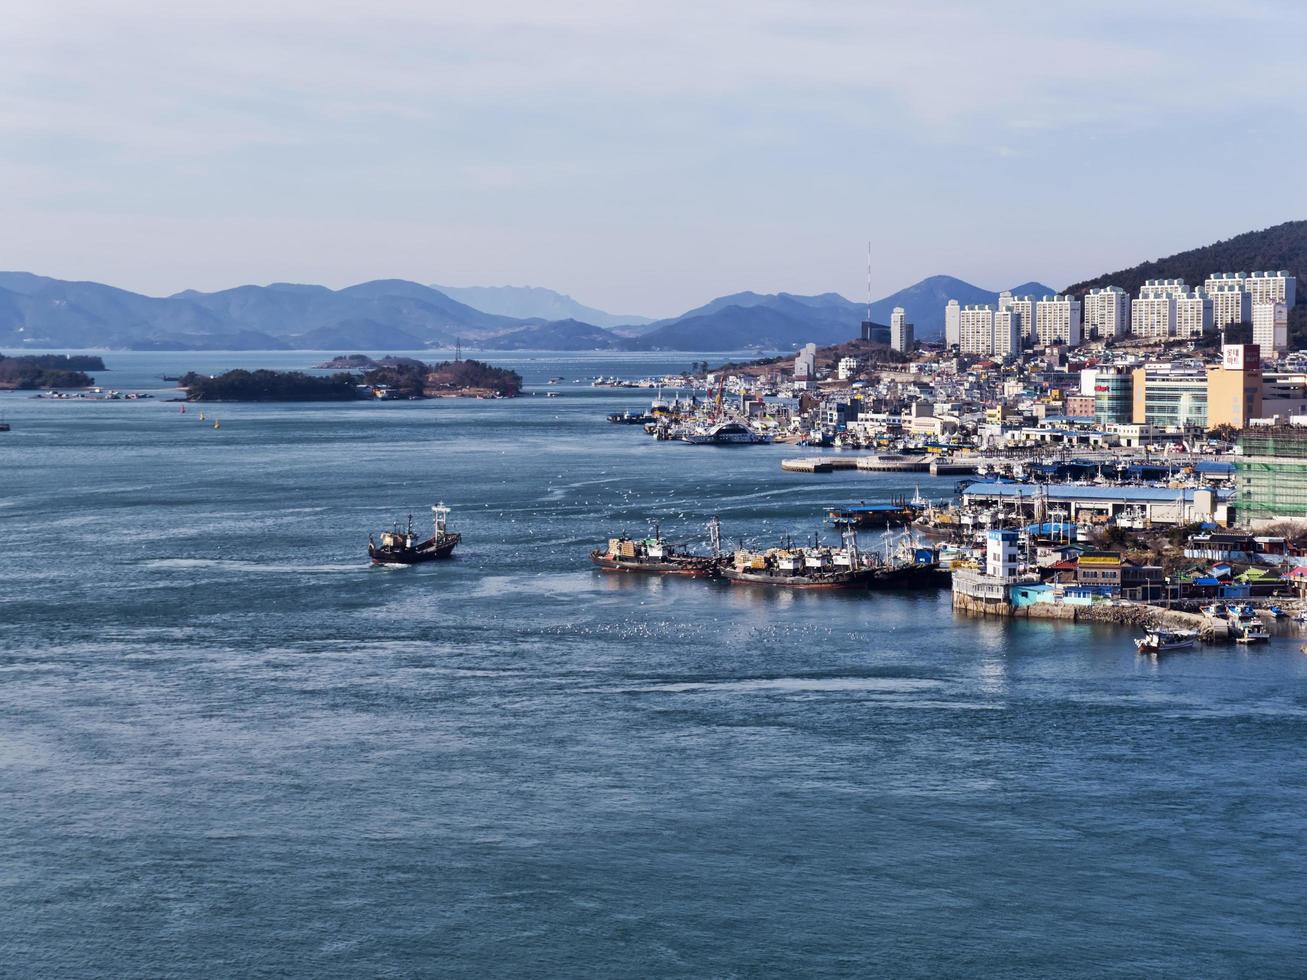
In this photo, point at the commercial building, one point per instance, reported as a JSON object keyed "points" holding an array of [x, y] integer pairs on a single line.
{"points": [[952, 324], [1230, 304], [1271, 326], [1170, 396], [1271, 474], [1234, 387], [1193, 314], [1113, 395], [1057, 320], [1131, 506], [1106, 312]]}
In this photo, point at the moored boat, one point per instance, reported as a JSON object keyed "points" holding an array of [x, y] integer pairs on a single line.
{"points": [[653, 555], [1250, 631], [1160, 640], [402, 547]]}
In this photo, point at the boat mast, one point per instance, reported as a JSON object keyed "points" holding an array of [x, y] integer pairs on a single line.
{"points": [[439, 514], [715, 536]]}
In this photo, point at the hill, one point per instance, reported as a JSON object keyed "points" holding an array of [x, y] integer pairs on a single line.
{"points": [[1282, 246], [538, 303], [559, 335], [1279, 247]]}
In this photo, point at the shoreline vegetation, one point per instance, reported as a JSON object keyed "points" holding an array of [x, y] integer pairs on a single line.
{"points": [[30, 371], [392, 378]]}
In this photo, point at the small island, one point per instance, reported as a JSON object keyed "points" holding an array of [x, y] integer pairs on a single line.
{"points": [[29, 371], [389, 379]]}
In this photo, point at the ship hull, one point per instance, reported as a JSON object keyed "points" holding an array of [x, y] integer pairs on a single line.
{"points": [[826, 580], [428, 550], [693, 568]]}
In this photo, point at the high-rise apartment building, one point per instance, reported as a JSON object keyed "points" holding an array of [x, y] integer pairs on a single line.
{"points": [[1193, 314], [976, 329], [1106, 312], [1261, 287], [1153, 317], [1023, 307], [1162, 287], [901, 333], [1230, 303], [1271, 326], [952, 324], [1057, 320], [1007, 334]]}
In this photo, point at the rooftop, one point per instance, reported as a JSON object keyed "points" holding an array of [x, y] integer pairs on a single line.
{"points": [[1023, 491]]}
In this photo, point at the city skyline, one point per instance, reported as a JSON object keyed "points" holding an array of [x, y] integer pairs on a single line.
{"points": [[641, 160]]}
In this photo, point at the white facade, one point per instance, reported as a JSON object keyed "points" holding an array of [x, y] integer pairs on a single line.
{"points": [[1057, 320], [1001, 554], [1271, 326], [976, 326], [898, 317], [1261, 287], [1162, 287], [952, 324], [1107, 312], [1023, 306], [1193, 314], [847, 368], [1007, 334], [901, 334], [805, 364], [1230, 303], [1153, 317]]}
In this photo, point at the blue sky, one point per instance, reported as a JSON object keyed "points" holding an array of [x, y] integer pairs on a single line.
{"points": [[643, 157]]}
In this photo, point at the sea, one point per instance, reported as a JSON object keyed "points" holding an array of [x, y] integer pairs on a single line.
{"points": [[229, 747]]}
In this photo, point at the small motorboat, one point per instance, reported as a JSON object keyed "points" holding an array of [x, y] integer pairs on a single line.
{"points": [[402, 547], [1161, 640], [1276, 612], [1215, 610]]}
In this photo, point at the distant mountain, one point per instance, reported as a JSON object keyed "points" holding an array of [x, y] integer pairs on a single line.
{"points": [[392, 314], [558, 335], [784, 320], [924, 302], [536, 302]]}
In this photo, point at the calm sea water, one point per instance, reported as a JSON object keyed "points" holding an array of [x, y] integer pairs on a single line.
{"points": [[228, 746]]}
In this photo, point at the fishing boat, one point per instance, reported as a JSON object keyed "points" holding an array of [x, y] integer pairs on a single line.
{"points": [[803, 568], [655, 556], [402, 547], [1161, 640], [631, 418], [1250, 631]]}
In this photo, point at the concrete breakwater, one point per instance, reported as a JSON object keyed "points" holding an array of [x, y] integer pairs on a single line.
{"points": [[934, 465]]}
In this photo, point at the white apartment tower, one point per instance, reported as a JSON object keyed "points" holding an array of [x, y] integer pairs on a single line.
{"points": [[1007, 334], [1152, 317], [1107, 312], [901, 333], [1057, 320], [976, 329], [952, 324], [1261, 287], [805, 364], [1162, 287], [1023, 306], [1193, 314], [1271, 326], [1230, 303]]}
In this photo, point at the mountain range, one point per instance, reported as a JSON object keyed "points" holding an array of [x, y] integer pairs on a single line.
{"points": [[537, 303], [395, 314]]}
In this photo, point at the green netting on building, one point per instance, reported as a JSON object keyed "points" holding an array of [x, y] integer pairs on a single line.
{"points": [[1271, 475]]}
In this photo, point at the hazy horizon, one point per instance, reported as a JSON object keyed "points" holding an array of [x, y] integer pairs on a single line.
{"points": [[639, 159]]}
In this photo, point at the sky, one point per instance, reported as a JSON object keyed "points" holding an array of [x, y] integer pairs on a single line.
{"points": [[641, 156]]}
